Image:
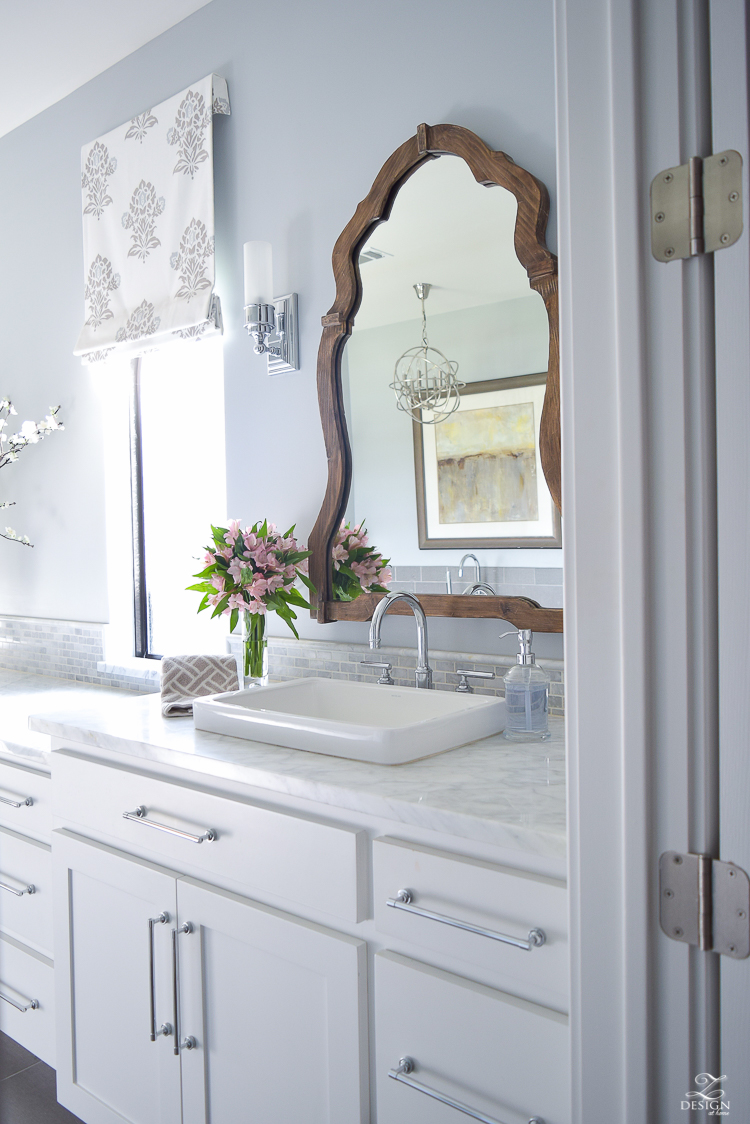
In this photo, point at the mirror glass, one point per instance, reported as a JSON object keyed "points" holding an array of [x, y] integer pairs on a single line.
{"points": [[471, 482]]}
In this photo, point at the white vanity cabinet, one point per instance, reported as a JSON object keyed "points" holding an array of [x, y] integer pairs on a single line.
{"points": [[276, 1009], [444, 1041], [181, 1001], [26, 943], [107, 918], [226, 952]]}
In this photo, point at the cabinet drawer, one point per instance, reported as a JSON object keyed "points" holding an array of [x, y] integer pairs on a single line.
{"points": [[27, 977], [266, 850], [492, 1053], [19, 784], [503, 902], [26, 864]]}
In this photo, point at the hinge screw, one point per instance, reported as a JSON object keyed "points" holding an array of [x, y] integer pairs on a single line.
{"points": [[733, 196], [668, 178], [723, 160], [678, 932], [668, 252], [678, 858], [724, 238], [669, 893], [730, 873], [741, 913], [659, 216], [733, 948]]}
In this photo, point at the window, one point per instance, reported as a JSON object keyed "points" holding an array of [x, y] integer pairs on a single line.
{"points": [[178, 488], [155, 533]]}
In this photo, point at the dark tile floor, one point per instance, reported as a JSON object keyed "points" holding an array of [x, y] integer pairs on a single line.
{"points": [[27, 1088]]}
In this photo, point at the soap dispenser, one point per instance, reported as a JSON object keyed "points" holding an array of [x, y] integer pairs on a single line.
{"points": [[526, 695]]}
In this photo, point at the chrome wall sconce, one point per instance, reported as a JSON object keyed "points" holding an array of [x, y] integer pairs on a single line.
{"points": [[271, 321]]}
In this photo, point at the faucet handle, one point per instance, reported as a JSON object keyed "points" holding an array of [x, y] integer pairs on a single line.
{"points": [[385, 678], [464, 687]]}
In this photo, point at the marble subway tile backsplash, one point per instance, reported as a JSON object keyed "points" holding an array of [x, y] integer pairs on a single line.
{"points": [[71, 650], [294, 659], [544, 585], [65, 650]]}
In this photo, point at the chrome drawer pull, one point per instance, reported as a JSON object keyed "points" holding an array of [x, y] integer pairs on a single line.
{"points": [[175, 994], [31, 1004], [186, 928], [22, 802], [139, 816], [19, 893], [535, 939], [160, 920], [407, 1066]]}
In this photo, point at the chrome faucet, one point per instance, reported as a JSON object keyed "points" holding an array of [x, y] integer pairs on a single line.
{"points": [[478, 575], [481, 589], [424, 671]]}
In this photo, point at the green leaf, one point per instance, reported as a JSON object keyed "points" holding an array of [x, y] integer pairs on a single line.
{"points": [[234, 616], [306, 581], [296, 598], [207, 572], [203, 587], [203, 604], [220, 607]]}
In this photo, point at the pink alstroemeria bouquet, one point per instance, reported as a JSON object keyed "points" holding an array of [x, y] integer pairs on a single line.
{"points": [[357, 566], [253, 572]]}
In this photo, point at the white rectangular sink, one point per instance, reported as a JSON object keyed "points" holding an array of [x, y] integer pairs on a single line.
{"points": [[360, 721]]}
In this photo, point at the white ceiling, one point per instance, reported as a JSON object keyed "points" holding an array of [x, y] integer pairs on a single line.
{"points": [[448, 230], [48, 48]]}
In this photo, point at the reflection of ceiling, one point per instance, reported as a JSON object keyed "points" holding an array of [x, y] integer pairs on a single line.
{"points": [[47, 50], [448, 230]]}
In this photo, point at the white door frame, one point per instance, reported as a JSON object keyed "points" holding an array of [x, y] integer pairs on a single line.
{"points": [[640, 543]]}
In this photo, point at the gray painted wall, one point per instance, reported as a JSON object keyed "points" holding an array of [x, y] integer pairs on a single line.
{"points": [[347, 83]]}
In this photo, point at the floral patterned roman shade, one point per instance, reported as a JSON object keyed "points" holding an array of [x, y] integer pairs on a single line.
{"points": [[148, 227]]}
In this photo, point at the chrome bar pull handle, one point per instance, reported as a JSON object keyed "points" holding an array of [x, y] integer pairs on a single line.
{"points": [[406, 1066], [19, 893], [30, 1004], [188, 1043], [160, 920], [139, 816], [403, 900], [21, 802], [175, 997]]}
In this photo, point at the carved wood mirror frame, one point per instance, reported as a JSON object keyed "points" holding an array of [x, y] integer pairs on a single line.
{"points": [[489, 168]]}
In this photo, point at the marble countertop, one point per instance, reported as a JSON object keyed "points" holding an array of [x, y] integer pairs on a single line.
{"points": [[22, 694], [512, 795]]}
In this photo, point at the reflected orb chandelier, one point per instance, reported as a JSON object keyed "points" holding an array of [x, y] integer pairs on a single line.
{"points": [[423, 379]]}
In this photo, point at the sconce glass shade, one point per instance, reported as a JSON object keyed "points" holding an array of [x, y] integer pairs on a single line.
{"points": [[258, 258]]}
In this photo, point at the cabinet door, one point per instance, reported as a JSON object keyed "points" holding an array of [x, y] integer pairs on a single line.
{"points": [[108, 1069], [276, 1007], [500, 1057]]}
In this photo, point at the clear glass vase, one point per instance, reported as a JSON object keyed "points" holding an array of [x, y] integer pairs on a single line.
{"points": [[254, 650]]}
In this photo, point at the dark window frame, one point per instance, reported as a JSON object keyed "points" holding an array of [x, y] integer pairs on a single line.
{"points": [[141, 614]]}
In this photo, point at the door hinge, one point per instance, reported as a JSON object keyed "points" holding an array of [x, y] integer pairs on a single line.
{"points": [[705, 902], [697, 208]]}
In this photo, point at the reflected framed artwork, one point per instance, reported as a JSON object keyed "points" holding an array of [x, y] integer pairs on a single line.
{"points": [[479, 475]]}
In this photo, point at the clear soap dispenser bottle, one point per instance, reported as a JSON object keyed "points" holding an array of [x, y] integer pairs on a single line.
{"points": [[526, 695]]}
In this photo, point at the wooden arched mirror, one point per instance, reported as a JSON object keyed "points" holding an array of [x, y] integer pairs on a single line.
{"points": [[488, 474]]}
